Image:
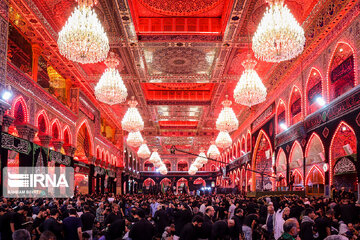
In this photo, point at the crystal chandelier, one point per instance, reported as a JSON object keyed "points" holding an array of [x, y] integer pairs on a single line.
{"points": [[227, 120], [132, 120], [134, 139], [223, 140], [162, 169], [197, 164], [111, 89], [192, 170], [279, 37], [144, 151], [155, 157], [249, 90], [83, 38], [202, 157], [213, 151]]}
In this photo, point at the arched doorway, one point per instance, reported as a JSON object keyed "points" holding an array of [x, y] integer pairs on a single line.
{"points": [[148, 183], [262, 162], [148, 166], [343, 144], [165, 185], [281, 169], [84, 144], [182, 186], [345, 174], [341, 71], [182, 166], [296, 162], [315, 181]]}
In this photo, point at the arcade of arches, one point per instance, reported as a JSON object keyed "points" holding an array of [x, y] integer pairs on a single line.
{"points": [[180, 65]]}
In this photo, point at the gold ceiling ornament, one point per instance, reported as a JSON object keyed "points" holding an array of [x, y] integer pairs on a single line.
{"points": [[213, 151], [111, 89], [143, 151], [83, 39], [250, 90], [227, 120], [278, 37], [223, 140], [132, 121], [55, 79], [134, 139]]}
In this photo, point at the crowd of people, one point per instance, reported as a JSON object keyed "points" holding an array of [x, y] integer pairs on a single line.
{"points": [[184, 217]]}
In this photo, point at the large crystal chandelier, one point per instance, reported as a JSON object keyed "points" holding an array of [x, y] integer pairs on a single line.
{"points": [[134, 139], [132, 120], [249, 90], [213, 151], [202, 157], [223, 140], [143, 151], [83, 38], [155, 157], [227, 120], [279, 37], [111, 89]]}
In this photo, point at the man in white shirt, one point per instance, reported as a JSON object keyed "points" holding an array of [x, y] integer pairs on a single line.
{"points": [[202, 208], [232, 209]]}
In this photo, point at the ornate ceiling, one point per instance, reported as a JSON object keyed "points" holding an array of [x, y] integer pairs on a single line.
{"points": [[179, 58]]}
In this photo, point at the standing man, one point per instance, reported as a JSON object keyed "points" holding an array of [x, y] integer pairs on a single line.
{"points": [[191, 230], [142, 229], [87, 219], [153, 207], [307, 225], [72, 226], [53, 225], [270, 222], [291, 230]]}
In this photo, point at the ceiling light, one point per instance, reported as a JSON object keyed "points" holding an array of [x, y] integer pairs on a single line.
{"points": [[227, 120], [83, 38], [132, 121], [279, 37], [283, 126], [213, 151], [155, 157], [250, 90], [111, 89], [320, 101], [134, 139], [223, 140], [144, 151]]}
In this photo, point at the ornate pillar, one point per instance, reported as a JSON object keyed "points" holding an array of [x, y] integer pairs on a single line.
{"points": [[7, 121], [36, 50], [27, 131], [45, 140], [69, 149], [57, 143]]}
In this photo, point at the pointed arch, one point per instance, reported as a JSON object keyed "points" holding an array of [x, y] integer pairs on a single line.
{"points": [[298, 177], [56, 133], [84, 131], [314, 90], [149, 166], [343, 143], [149, 182], [312, 170], [213, 168], [342, 72], [296, 156], [42, 122], [262, 158], [67, 135], [200, 180], [281, 116], [242, 146], [19, 111], [314, 151], [168, 165], [281, 161], [295, 113], [248, 141]]}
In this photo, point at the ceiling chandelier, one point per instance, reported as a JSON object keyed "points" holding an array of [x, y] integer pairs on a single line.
{"points": [[132, 120], [134, 139], [155, 157], [111, 89], [143, 151], [227, 120], [202, 157], [213, 151], [249, 90], [83, 38], [223, 140], [279, 37], [162, 169], [192, 170]]}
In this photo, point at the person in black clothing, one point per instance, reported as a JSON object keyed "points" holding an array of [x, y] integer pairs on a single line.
{"points": [[116, 230], [114, 215], [191, 230], [208, 222], [347, 211], [238, 218], [72, 226], [307, 225], [143, 229], [221, 229], [87, 219], [40, 218], [18, 219], [5, 219], [181, 216], [52, 224], [161, 220]]}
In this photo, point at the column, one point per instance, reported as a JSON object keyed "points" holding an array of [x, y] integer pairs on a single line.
{"points": [[4, 25], [36, 50]]}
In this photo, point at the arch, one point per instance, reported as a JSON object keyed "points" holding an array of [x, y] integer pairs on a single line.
{"points": [[19, 111], [213, 168], [280, 115], [281, 183], [149, 182], [67, 135], [103, 155], [296, 156], [262, 161], [295, 106], [314, 90], [55, 129], [98, 152], [281, 161], [243, 146], [149, 166], [182, 166], [314, 151], [315, 176], [42, 122], [298, 177], [200, 180], [343, 143], [182, 185], [84, 141], [248, 142], [168, 165], [342, 70]]}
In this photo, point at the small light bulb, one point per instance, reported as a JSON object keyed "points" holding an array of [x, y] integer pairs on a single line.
{"points": [[320, 101], [283, 126]]}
